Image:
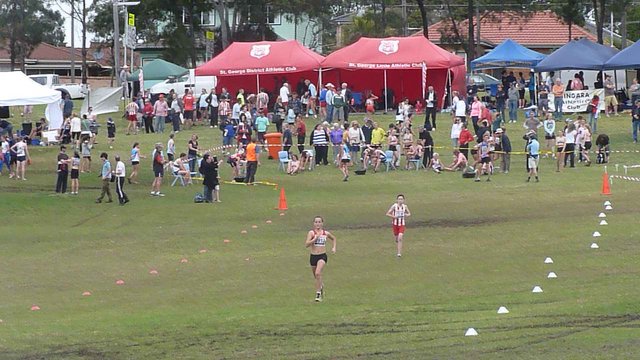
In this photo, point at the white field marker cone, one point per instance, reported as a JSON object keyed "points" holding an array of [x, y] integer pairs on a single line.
{"points": [[595, 246], [607, 203], [548, 260], [471, 332], [604, 222], [602, 215], [536, 289], [596, 234], [503, 310], [608, 207], [552, 275]]}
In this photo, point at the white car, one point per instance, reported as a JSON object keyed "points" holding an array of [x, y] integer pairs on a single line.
{"points": [[52, 81]]}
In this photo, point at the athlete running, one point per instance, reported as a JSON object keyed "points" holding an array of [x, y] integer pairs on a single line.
{"points": [[398, 212], [317, 240]]}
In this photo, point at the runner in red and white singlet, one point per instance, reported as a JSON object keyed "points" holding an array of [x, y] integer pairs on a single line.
{"points": [[399, 212]]}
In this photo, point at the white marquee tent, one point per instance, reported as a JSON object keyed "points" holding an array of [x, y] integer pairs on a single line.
{"points": [[17, 89]]}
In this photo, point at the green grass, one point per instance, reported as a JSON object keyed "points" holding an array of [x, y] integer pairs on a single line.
{"points": [[470, 248]]}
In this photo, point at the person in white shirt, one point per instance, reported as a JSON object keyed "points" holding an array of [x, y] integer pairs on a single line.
{"points": [[171, 148], [212, 99], [456, 127], [235, 112], [284, 94], [329, 100], [76, 129], [203, 105], [431, 107], [313, 95], [461, 110], [570, 134], [22, 156], [121, 174]]}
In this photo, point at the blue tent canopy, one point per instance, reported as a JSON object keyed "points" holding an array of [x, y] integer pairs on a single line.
{"points": [[581, 54], [508, 54], [628, 58]]}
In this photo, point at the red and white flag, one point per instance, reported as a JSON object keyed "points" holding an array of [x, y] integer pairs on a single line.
{"points": [[424, 80]]}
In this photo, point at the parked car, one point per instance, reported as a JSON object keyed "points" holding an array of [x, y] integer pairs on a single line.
{"points": [[52, 81], [186, 81]]}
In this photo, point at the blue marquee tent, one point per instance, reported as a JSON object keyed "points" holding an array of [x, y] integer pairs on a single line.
{"points": [[581, 54], [628, 58], [508, 54]]}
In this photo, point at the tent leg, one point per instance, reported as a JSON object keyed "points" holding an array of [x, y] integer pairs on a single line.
{"points": [[257, 83], [386, 93]]}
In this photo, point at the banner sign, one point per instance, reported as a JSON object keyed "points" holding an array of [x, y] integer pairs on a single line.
{"points": [[578, 100]]}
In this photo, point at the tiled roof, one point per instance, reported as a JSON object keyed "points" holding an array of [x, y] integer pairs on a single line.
{"points": [[536, 29], [49, 53]]}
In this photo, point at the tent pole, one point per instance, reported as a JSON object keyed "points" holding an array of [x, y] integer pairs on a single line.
{"points": [[319, 79], [257, 83], [448, 88], [386, 93], [535, 88]]}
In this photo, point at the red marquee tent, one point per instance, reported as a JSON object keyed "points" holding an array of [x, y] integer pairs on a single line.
{"points": [[395, 63], [266, 64]]}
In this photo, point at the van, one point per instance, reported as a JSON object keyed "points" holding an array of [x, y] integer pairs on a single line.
{"points": [[186, 81]]}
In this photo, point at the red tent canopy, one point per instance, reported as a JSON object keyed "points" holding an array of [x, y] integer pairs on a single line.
{"points": [[261, 58], [364, 63], [392, 53]]}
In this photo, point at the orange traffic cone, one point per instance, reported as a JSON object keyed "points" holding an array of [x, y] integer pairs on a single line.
{"points": [[282, 203], [606, 189]]}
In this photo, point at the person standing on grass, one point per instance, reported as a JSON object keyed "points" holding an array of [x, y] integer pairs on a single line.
{"points": [[135, 163], [160, 111], [262, 123], [158, 170], [132, 115], [105, 175], [317, 242], [610, 100], [189, 105], [63, 170], [171, 148], [558, 98], [120, 176], [22, 157], [147, 116], [399, 211], [635, 120], [75, 173], [253, 161], [209, 171], [111, 132], [484, 151], [505, 143], [345, 159], [533, 148], [5, 155], [561, 141]]}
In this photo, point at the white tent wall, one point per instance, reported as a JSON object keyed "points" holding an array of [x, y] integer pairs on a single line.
{"points": [[19, 90], [102, 100]]}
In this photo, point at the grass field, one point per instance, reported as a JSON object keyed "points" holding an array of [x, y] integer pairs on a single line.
{"points": [[470, 248]]}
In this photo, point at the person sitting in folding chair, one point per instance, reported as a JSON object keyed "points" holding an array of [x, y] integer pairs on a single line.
{"points": [[180, 167]]}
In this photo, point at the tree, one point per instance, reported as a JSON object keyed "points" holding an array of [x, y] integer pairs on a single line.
{"points": [[423, 16], [599, 13], [571, 12], [25, 24]]}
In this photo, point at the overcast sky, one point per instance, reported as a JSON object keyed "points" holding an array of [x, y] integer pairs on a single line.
{"points": [[65, 9]]}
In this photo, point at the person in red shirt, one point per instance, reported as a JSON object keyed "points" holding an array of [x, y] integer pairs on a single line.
{"points": [[188, 100], [464, 139], [148, 116]]}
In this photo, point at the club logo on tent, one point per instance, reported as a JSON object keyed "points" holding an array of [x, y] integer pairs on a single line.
{"points": [[388, 46], [260, 51]]}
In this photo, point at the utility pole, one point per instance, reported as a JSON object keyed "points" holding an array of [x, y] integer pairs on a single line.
{"points": [[404, 18], [116, 43], [72, 52], [478, 30]]}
